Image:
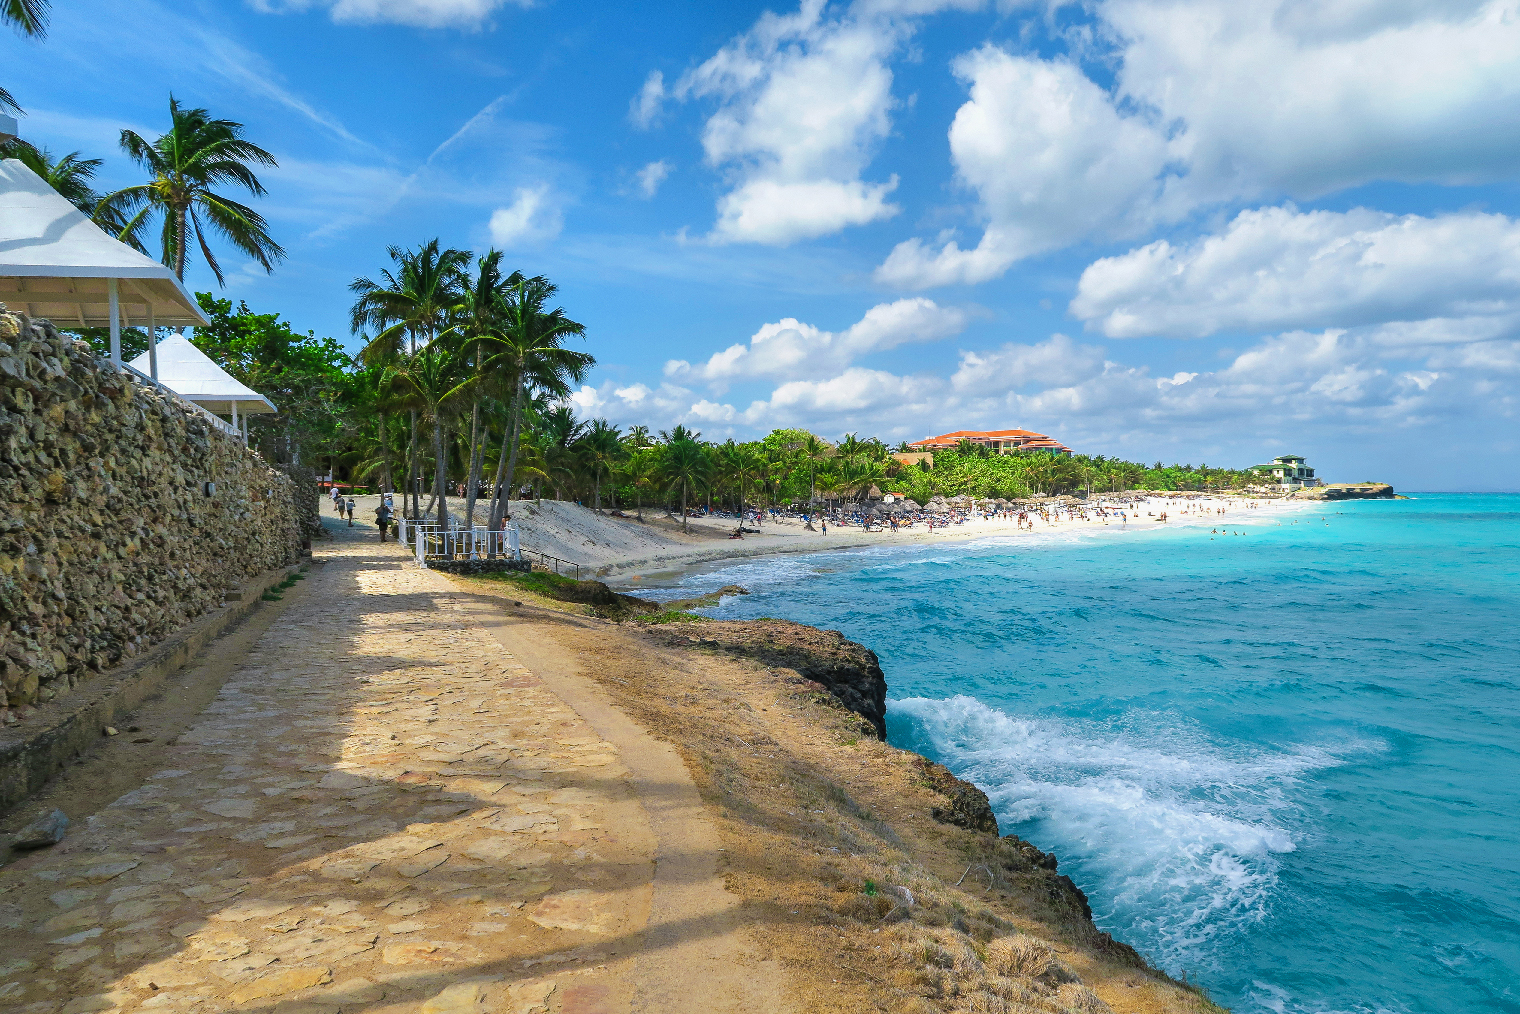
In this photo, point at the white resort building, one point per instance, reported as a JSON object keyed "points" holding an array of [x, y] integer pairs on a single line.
{"points": [[1289, 470]]}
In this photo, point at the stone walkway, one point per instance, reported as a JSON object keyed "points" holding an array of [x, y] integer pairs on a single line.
{"points": [[382, 811]]}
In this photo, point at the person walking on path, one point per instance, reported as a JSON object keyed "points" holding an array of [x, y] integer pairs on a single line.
{"points": [[383, 518], [350, 506], [337, 499]]}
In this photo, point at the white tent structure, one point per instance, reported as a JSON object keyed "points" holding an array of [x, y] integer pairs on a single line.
{"points": [[191, 374], [56, 263]]}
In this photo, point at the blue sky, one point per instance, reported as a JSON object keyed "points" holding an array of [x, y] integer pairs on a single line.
{"points": [[1193, 231]]}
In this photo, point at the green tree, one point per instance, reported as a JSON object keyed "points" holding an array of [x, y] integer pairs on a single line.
{"points": [[529, 348], [603, 449], [307, 378], [197, 154], [433, 377], [408, 308], [642, 470], [686, 467], [479, 316]]}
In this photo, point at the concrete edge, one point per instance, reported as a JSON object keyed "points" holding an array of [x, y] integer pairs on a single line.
{"points": [[37, 748]]}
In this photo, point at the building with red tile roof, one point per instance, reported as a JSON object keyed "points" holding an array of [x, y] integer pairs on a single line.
{"points": [[999, 441]]}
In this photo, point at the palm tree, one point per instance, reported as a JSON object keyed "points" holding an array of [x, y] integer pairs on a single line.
{"points": [[29, 17], [197, 153], [479, 315], [70, 175], [413, 303], [432, 376], [561, 431], [638, 438], [640, 469], [687, 466], [814, 450], [603, 448], [529, 348]]}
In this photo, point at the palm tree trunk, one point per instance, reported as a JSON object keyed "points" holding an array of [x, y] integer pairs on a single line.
{"points": [[179, 242], [684, 529], [512, 452], [477, 462], [440, 473], [411, 468], [385, 459]]}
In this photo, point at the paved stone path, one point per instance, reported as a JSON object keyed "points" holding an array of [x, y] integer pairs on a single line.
{"points": [[382, 811]]}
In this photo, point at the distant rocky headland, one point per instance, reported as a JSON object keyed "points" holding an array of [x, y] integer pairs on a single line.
{"points": [[1348, 491]]}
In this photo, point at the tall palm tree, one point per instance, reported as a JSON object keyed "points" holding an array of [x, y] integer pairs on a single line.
{"points": [[642, 469], [529, 348], [197, 154], [603, 449], [814, 450], [638, 438], [478, 316], [408, 308], [28, 17], [687, 467], [432, 376]]}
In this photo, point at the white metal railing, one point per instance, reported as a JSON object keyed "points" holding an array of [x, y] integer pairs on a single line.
{"points": [[215, 420], [429, 541]]}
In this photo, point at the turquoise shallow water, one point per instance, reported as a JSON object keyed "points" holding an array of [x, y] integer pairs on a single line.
{"points": [[1286, 763]]}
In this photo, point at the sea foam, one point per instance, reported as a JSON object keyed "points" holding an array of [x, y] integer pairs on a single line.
{"points": [[1182, 830]]}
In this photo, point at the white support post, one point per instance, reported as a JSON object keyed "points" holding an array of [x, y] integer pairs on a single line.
{"points": [[152, 341], [234, 414], [113, 297]]}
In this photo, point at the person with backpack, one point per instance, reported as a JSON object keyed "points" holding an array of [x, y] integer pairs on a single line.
{"points": [[383, 518], [350, 509]]}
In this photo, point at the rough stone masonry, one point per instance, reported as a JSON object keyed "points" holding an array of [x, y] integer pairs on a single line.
{"points": [[110, 536]]}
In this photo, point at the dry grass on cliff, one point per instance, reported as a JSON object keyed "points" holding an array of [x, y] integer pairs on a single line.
{"points": [[845, 875]]}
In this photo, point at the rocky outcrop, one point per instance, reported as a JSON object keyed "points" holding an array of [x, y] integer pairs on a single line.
{"points": [[126, 514], [1346, 491], [966, 805], [850, 672]]}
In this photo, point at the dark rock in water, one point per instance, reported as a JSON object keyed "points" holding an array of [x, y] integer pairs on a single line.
{"points": [[969, 807], [43, 832], [848, 671]]}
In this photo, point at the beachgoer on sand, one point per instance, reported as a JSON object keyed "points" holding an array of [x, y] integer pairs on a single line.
{"points": [[349, 505]]}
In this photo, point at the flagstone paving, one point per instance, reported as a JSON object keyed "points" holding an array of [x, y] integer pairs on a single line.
{"points": [[382, 811]]}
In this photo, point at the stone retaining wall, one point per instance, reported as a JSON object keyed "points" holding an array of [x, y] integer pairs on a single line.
{"points": [[110, 536]]}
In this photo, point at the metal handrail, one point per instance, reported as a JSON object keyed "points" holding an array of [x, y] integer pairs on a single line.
{"points": [[431, 541]]}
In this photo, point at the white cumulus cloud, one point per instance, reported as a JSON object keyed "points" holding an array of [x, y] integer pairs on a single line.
{"points": [[1276, 268], [645, 107], [1051, 161], [790, 350], [1216, 101], [803, 102], [651, 176], [532, 217]]}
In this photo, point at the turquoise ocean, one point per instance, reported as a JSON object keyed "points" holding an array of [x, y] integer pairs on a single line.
{"points": [[1285, 763]]}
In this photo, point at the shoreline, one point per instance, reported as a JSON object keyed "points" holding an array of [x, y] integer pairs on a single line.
{"points": [[796, 542]]}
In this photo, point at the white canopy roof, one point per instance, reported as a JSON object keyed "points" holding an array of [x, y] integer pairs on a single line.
{"points": [[190, 373], [54, 262]]}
